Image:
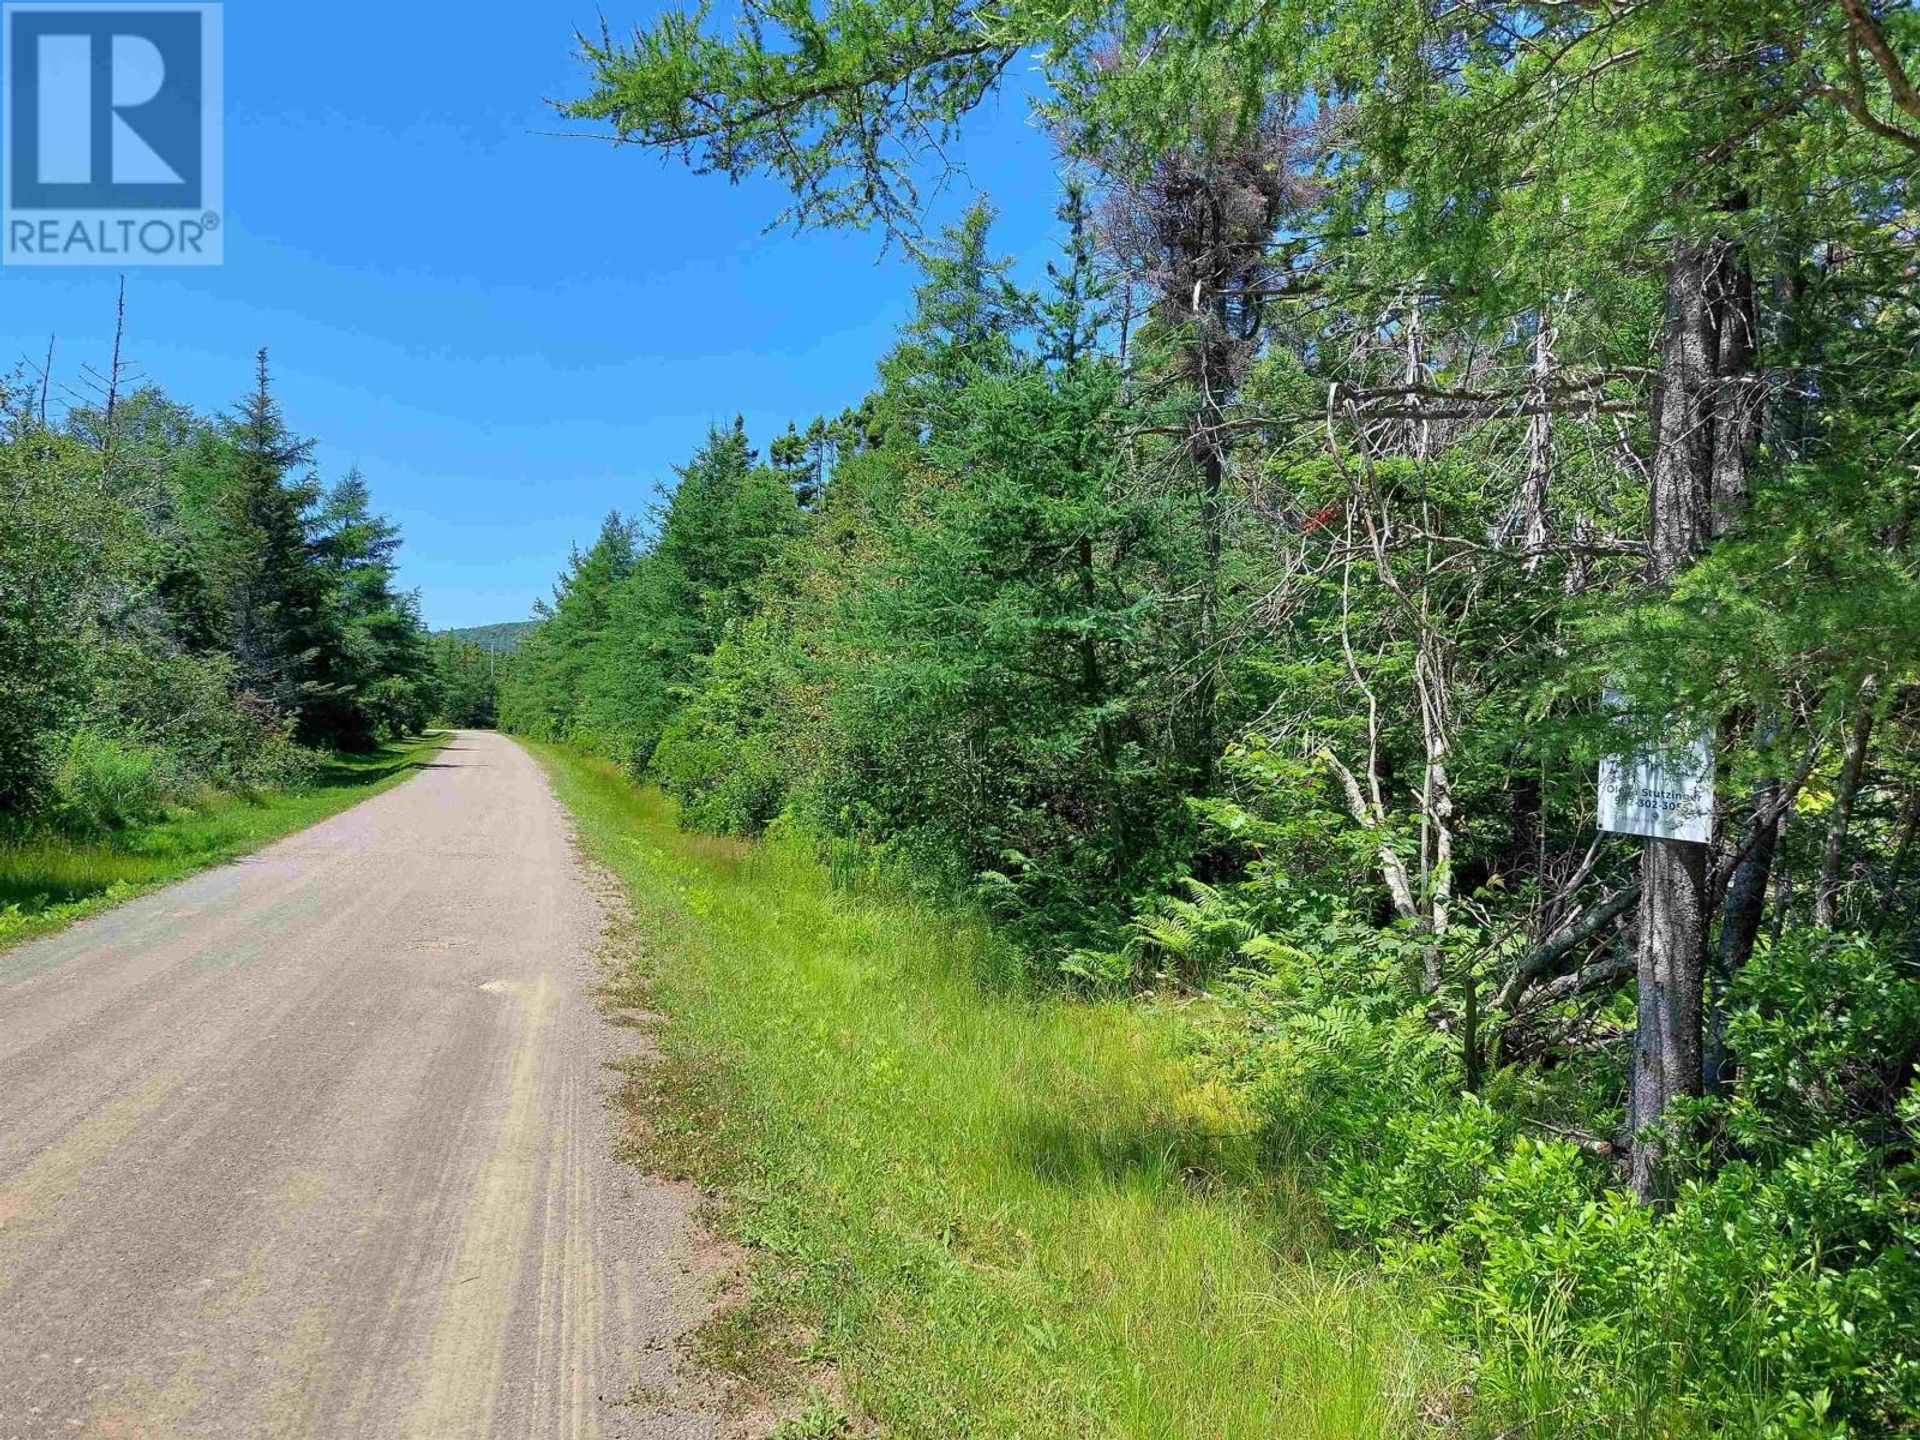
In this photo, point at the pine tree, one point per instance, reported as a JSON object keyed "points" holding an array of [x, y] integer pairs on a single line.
{"points": [[270, 593], [376, 667]]}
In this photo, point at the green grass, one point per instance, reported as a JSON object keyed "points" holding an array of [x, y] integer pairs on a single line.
{"points": [[49, 882], [994, 1215]]}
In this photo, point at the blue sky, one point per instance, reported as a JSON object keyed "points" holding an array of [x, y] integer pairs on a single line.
{"points": [[509, 333]]}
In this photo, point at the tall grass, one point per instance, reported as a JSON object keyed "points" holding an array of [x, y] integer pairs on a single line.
{"points": [[49, 880], [998, 1215]]}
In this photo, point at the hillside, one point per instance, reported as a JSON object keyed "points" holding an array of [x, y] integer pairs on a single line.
{"points": [[503, 637]]}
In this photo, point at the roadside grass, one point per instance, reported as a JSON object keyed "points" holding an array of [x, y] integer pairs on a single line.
{"points": [[994, 1215], [48, 882]]}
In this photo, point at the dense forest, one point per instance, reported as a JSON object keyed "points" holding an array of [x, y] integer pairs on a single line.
{"points": [[186, 609], [1232, 617]]}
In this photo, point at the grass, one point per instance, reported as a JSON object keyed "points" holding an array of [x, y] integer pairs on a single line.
{"points": [[994, 1215], [49, 882]]}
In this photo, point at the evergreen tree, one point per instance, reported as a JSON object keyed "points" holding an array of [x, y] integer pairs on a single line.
{"points": [[550, 699], [175, 607], [260, 567], [374, 670]]}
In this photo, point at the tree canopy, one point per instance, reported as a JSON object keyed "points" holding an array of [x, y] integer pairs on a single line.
{"points": [[1237, 617]]}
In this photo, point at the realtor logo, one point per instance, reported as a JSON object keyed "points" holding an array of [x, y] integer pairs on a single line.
{"points": [[113, 146]]}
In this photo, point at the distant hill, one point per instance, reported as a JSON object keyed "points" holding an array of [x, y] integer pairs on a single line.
{"points": [[503, 637]]}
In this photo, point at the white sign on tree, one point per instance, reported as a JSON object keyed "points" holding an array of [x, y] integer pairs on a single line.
{"points": [[1663, 790]]}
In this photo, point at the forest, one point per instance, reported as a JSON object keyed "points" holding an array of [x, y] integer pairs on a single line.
{"points": [[188, 613], [1427, 402]]}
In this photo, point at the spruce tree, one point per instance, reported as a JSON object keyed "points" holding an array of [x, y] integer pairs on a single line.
{"points": [[261, 565]]}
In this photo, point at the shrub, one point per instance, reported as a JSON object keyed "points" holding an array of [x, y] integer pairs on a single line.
{"points": [[720, 756], [1778, 1295], [186, 707], [1827, 1031], [104, 783], [274, 760], [1781, 1301], [729, 787]]}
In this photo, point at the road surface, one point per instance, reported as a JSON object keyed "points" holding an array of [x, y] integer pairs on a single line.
{"points": [[319, 1144]]}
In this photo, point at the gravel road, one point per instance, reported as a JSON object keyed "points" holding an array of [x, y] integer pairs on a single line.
{"points": [[318, 1143]]}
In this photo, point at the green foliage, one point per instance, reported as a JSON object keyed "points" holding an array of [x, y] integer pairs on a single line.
{"points": [[1235, 619], [820, 1420], [996, 1213], [966, 651], [1770, 1300], [619, 648], [466, 682], [1776, 1296], [106, 784], [184, 609], [498, 639], [1827, 1028], [721, 756], [55, 535]]}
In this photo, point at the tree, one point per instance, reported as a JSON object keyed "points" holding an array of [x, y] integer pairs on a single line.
{"points": [[548, 697], [375, 667], [1397, 248], [269, 594], [176, 609]]}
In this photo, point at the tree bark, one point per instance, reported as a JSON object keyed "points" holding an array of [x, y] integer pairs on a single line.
{"points": [[1563, 942], [1889, 887], [1533, 493], [1683, 414], [1746, 903], [1209, 454], [1671, 951], [1738, 409], [1741, 915], [1668, 1048], [1738, 416], [1826, 895]]}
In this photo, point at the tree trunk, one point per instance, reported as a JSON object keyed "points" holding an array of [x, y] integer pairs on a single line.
{"points": [[1533, 493], [1746, 903], [1738, 417], [1826, 895], [1668, 1043], [1738, 411], [1419, 433], [1744, 911], [1890, 886], [1209, 453], [1671, 951], [1683, 411]]}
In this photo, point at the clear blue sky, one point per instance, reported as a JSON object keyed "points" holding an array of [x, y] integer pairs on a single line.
{"points": [[509, 333]]}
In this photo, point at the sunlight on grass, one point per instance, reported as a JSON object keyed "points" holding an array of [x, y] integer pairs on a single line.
{"points": [[49, 882], [1007, 1216]]}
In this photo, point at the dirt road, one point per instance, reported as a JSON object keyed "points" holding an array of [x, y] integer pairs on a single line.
{"points": [[318, 1144]]}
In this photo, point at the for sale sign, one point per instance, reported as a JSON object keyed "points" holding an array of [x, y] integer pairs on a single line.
{"points": [[1663, 789]]}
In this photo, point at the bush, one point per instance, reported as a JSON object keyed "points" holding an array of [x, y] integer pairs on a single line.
{"points": [[1777, 1296], [104, 783], [728, 788], [1827, 1031], [186, 707], [720, 756], [1779, 1301], [274, 760]]}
